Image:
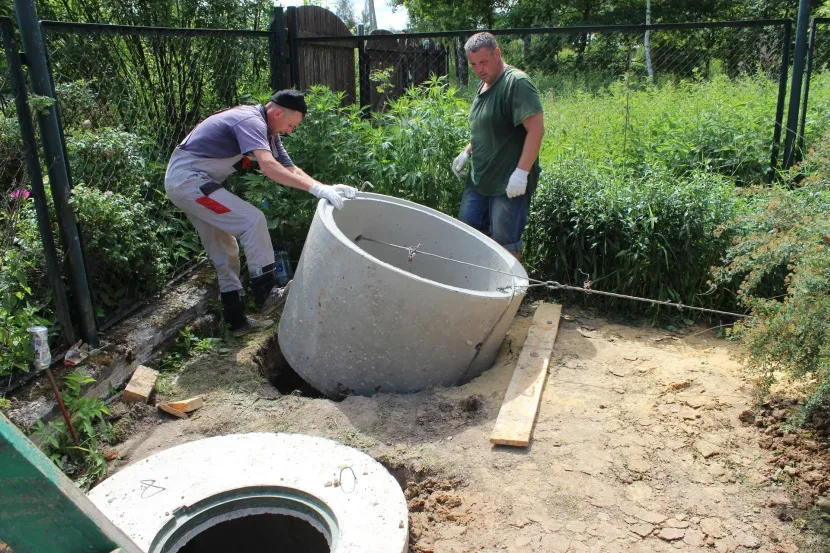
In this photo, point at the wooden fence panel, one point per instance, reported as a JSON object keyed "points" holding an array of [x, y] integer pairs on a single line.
{"points": [[325, 63]]}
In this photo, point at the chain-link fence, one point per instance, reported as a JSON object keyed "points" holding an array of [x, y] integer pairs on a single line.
{"points": [[618, 94], [13, 178], [127, 96], [31, 287], [815, 115]]}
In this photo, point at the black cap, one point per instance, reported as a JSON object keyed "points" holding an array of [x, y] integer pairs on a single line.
{"points": [[290, 99]]}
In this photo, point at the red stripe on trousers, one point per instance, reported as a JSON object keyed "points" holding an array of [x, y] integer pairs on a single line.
{"points": [[213, 205]]}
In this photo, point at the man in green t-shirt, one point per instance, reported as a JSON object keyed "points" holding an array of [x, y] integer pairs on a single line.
{"points": [[506, 129]]}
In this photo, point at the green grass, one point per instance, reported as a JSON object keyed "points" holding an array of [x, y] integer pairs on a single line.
{"points": [[720, 125]]}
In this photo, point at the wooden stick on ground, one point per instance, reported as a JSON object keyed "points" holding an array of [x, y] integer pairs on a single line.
{"points": [[517, 417]]}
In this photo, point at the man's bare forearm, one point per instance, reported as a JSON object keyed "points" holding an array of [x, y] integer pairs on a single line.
{"points": [[535, 126]]}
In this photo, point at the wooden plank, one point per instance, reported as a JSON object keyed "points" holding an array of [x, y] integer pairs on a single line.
{"points": [[170, 411], [187, 405], [141, 385], [517, 416]]}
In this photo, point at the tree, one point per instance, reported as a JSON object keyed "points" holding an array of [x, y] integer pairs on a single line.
{"points": [[366, 17], [433, 15], [345, 11]]}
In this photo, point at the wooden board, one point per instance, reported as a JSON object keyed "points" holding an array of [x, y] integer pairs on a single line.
{"points": [[141, 385], [170, 411], [187, 405], [517, 417]]}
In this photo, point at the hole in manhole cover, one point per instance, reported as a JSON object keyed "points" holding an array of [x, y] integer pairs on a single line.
{"points": [[274, 367], [271, 533]]}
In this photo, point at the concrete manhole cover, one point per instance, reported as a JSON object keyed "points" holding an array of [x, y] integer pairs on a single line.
{"points": [[275, 493]]}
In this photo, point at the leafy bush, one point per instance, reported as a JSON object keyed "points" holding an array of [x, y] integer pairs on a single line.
{"points": [[782, 260], [405, 151], [77, 104], [648, 235], [12, 174], [413, 142], [18, 311], [109, 160], [123, 245]]}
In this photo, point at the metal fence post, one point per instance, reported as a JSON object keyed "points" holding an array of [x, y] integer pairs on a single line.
{"points": [[27, 133], [41, 80], [293, 53], [782, 97], [461, 73], [276, 45], [363, 92], [798, 76], [808, 75]]}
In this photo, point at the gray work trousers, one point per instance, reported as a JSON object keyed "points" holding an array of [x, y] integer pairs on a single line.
{"points": [[221, 219]]}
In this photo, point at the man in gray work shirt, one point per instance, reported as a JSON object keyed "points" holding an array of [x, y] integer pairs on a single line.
{"points": [[214, 150]]}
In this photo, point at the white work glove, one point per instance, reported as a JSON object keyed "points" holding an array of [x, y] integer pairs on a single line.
{"points": [[517, 184], [459, 163], [347, 191], [334, 194]]}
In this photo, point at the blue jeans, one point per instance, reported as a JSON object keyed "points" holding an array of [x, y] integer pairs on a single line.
{"points": [[499, 217]]}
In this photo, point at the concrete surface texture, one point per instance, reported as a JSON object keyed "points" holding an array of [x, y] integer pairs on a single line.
{"points": [[359, 505], [364, 317]]}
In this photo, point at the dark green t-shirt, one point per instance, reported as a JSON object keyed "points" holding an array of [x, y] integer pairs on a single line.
{"points": [[497, 133]]}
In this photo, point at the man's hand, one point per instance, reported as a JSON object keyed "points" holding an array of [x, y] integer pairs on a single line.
{"points": [[459, 163], [334, 194], [346, 190], [517, 184]]}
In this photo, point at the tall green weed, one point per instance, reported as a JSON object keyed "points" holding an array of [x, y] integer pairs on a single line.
{"points": [[648, 234], [405, 151], [719, 125]]}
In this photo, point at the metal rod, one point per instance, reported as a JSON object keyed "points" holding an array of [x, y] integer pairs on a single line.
{"points": [[41, 81], [108, 29], [293, 53], [364, 91], [782, 98], [553, 285], [27, 133], [561, 30], [65, 413], [799, 56], [276, 44], [811, 44]]}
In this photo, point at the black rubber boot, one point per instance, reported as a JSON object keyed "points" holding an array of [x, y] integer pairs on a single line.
{"points": [[233, 309], [262, 285], [233, 306]]}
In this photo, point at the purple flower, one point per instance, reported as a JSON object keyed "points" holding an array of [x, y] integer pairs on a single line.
{"points": [[18, 193]]}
